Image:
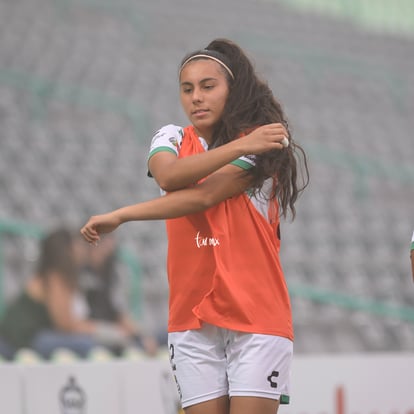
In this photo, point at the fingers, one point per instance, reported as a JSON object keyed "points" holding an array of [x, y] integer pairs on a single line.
{"points": [[89, 233], [267, 138], [276, 128], [278, 134]]}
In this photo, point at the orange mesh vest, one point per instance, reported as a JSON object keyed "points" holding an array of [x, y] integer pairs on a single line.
{"points": [[224, 268]]}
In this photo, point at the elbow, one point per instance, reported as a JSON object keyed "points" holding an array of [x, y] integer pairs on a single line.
{"points": [[199, 201], [209, 201], [207, 196], [206, 199], [168, 188], [167, 185]]}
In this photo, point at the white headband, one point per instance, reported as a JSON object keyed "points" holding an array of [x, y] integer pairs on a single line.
{"points": [[208, 57]]}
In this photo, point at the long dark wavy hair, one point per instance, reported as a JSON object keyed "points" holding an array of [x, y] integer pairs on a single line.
{"points": [[251, 103], [56, 255]]}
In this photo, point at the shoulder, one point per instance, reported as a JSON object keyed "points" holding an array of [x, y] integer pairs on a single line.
{"points": [[168, 132], [168, 138]]}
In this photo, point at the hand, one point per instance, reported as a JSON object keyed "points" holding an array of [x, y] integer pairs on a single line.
{"points": [[150, 345], [266, 138], [104, 223]]}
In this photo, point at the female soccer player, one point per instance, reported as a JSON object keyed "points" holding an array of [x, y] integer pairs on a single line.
{"points": [[226, 180]]}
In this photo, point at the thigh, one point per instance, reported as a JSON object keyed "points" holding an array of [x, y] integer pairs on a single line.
{"points": [[219, 405], [46, 342], [198, 363], [259, 366], [253, 405]]}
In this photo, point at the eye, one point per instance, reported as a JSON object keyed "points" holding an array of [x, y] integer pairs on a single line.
{"points": [[208, 86], [186, 90]]}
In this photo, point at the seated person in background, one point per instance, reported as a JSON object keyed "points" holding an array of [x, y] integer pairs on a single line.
{"points": [[100, 284], [49, 314]]}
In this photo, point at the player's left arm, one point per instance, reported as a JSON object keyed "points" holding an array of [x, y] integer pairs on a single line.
{"points": [[227, 182], [173, 173]]}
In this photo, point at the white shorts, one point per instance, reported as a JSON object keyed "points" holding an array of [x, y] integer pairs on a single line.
{"points": [[212, 362]]}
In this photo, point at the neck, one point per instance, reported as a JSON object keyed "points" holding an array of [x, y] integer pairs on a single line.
{"points": [[205, 135]]}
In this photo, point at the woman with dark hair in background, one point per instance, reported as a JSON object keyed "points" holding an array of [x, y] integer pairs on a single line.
{"points": [[101, 286], [31, 318], [50, 313], [226, 179]]}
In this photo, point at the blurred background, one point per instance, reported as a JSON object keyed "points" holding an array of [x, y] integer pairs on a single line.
{"points": [[84, 84]]}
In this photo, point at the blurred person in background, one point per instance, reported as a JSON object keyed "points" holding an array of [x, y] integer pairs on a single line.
{"points": [[226, 179], [51, 313], [42, 317], [101, 285]]}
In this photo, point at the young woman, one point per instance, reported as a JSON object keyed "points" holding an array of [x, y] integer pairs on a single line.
{"points": [[42, 317], [226, 179], [50, 312], [99, 283]]}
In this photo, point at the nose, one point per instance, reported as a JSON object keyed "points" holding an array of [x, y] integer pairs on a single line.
{"points": [[197, 95]]}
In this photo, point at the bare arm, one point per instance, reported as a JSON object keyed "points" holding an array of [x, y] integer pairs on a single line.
{"points": [[172, 173], [59, 304], [225, 183]]}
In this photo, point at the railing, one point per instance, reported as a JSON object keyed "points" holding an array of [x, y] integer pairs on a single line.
{"points": [[374, 307]]}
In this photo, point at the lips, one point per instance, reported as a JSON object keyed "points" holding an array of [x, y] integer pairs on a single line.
{"points": [[199, 112]]}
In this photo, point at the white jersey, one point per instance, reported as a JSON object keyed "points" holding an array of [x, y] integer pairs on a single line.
{"points": [[169, 138]]}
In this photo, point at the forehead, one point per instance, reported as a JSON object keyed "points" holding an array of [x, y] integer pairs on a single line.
{"points": [[196, 70]]}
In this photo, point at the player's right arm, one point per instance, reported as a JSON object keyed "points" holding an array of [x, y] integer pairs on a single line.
{"points": [[173, 173]]}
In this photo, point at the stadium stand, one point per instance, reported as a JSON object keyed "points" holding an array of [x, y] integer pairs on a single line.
{"points": [[85, 84]]}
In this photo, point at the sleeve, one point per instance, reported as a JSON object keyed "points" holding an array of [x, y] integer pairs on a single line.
{"points": [[168, 138], [246, 162], [412, 241]]}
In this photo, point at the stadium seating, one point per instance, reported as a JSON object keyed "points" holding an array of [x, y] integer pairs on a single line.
{"points": [[85, 84]]}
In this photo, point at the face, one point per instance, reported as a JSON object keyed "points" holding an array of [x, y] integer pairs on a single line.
{"points": [[203, 92]]}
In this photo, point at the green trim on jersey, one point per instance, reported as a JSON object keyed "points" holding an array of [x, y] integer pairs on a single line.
{"points": [[160, 149], [242, 164], [412, 245], [284, 399]]}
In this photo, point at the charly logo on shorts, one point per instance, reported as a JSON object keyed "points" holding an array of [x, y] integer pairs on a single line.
{"points": [[271, 378]]}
